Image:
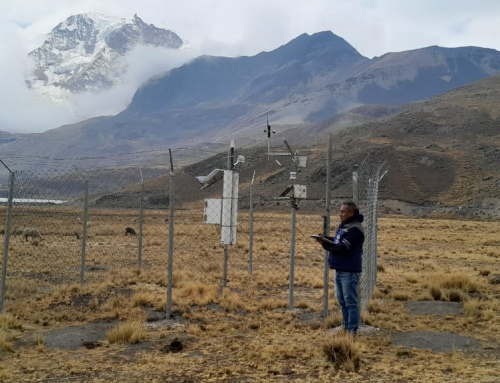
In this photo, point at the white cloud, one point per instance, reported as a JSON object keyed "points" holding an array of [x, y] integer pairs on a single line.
{"points": [[24, 111], [143, 63], [229, 28]]}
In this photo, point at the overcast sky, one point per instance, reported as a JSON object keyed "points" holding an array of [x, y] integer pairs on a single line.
{"points": [[229, 28]]}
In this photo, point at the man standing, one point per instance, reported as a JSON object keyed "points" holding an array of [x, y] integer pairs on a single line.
{"points": [[346, 252]]}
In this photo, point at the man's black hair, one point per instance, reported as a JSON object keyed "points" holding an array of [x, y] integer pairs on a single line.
{"points": [[352, 206]]}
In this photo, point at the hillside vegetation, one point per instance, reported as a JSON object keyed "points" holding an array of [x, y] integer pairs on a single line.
{"points": [[442, 152]]}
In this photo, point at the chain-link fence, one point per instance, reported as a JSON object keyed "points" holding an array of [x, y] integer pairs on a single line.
{"points": [[66, 226], [73, 226], [365, 194]]}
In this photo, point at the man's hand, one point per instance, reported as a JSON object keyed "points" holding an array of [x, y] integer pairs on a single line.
{"points": [[318, 237]]}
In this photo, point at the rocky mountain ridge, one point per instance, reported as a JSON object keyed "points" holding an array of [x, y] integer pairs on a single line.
{"points": [[86, 52], [442, 156], [308, 87], [212, 100]]}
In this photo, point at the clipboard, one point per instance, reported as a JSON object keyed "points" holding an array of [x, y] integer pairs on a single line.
{"points": [[322, 238]]}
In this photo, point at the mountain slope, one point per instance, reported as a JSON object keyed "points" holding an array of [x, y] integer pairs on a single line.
{"points": [[444, 150], [414, 75], [443, 155], [312, 79], [308, 80]]}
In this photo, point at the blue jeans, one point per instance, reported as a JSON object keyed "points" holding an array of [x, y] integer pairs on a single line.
{"points": [[346, 285]]}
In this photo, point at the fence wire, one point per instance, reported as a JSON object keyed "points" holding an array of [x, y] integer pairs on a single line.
{"points": [[365, 194], [58, 236], [71, 226]]}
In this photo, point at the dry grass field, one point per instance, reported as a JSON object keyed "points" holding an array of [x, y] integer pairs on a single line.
{"points": [[111, 328]]}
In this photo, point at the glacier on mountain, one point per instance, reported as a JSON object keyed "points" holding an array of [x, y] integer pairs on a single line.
{"points": [[88, 52]]}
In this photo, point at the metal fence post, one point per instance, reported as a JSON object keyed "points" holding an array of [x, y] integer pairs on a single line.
{"points": [[326, 228], [141, 216], [294, 205], [292, 259], [230, 166], [250, 246], [84, 236], [170, 238], [7, 236]]}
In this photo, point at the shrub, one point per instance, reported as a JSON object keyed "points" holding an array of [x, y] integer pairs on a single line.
{"points": [[127, 332], [461, 282], [8, 321], [5, 343], [343, 352], [472, 308], [436, 293], [401, 296], [455, 295]]}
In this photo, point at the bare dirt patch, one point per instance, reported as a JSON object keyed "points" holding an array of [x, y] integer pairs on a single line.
{"points": [[434, 308], [72, 338], [434, 340]]}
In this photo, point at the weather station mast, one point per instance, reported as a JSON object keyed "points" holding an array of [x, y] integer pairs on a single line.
{"points": [[298, 192]]}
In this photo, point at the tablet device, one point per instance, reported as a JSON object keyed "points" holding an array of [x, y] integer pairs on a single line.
{"points": [[323, 239]]}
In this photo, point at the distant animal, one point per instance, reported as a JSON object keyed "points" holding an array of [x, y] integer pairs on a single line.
{"points": [[17, 232], [30, 232], [130, 231]]}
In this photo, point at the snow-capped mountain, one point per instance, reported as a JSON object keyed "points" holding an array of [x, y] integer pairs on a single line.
{"points": [[87, 52]]}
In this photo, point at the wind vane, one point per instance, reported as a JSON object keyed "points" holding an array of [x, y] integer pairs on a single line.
{"points": [[299, 191], [269, 131]]}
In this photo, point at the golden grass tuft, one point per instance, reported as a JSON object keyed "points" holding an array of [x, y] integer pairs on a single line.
{"points": [[9, 322], [454, 287], [472, 308], [459, 281], [20, 288], [374, 307], [40, 343], [4, 375], [196, 293], [436, 293], [126, 332], [304, 305], [144, 299], [456, 295], [230, 301], [272, 304], [343, 352], [400, 296], [275, 351], [481, 309], [411, 279], [333, 320], [5, 343]]}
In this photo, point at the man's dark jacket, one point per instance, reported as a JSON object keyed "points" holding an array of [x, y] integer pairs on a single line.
{"points": [[346, 252]]}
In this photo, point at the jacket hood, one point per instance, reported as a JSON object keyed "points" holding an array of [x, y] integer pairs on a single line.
{"points": [[356, 218], [354, 221]]}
